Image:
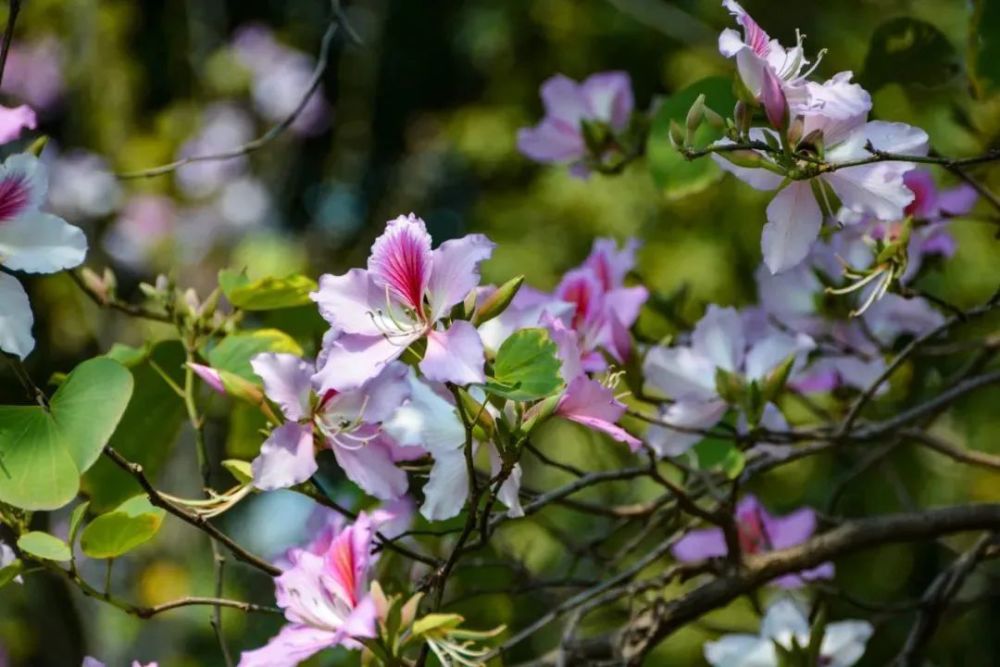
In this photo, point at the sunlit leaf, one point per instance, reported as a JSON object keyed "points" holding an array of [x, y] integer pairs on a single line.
{"points": [[266, 293], [234, 352], [44, 546], [131, 524], [526, 367]]}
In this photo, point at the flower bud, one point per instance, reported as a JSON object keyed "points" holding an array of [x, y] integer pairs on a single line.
{"points": [[729, 386], [209, 376], [38, 145], [714, 120], [774, 101], [742, 117], [744, 158], [95, 284], [676, 134], [795, 130], [695, 114], [775, 382], [496, 303]]}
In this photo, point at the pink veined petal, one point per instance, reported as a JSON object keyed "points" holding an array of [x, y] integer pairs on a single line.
{"points": [[372, 402], [610, 263], [626, 302], [689, 417], [294, 644], [793, 223], [371, 467], [719, 337], [16, 318], [286, 458], [351, 302], [287, 382], [352, 360], [455, 271], [401, 260], [346, 561], [609, 97], [361, 623], [455, 355], [925, 195], [774, 100], [567, 348], [593, 405], [14, 120], [753, 34], [23, 184], [582, 288], [699, 544]]}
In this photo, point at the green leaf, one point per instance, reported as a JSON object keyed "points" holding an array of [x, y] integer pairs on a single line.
{"points": [[131, 524], [147, 431], [44, 546], [241, 470], [526, 367], [719, 455], [127, 355], [984, 46], [673, 173], [909, 51], [266, 293], [234, 352], [45, 451], [10, 572], [76, 519]]}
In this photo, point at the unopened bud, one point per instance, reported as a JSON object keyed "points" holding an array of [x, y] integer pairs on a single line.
{"points": [[716, 121], [540, 412], [776, 380], [211, 302], [742, 117], [775, 103], [495, 304], [38, 145], [695, 114], [676, 134], [795, 130], [95, 284], [477, 413], [729, 386], [743, 158], [110, 280]]}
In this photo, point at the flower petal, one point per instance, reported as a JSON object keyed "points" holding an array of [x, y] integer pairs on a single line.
{"points": [[689, 417], [844, 642], [14, 120], [401, 260], [286, 458], [352, 360], [551, 141], [455, 271], [590, 403], [426, 420], [455, 355], [510, 490], [718, 337], [371, 467], [609, 96], [700, 544], [739, 650], [292, 645], [287, 382], [793, 222], [448, 487], [680, 372], [351, 302], [23, 184], [41, 243], [16, 318]]}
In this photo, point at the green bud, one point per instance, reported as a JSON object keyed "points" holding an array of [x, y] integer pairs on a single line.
{"points": [[716, 121], [774, 384], [595, 135], [95, 284], [475, 410], [795, 130], [676, 135], [207, 309], [730, 386], [754, 403], [742, 117], [695, 114], [495, 304], [541, 412], [241, 388], [744, 158], [38, 145]]}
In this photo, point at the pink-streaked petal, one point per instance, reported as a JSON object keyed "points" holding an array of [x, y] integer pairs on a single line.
{"points": [[352, 360], [14, 120], [23, 184], [209, 376], [346, 562], [626, 302], [567, 349], [610, 263], [609, 96], [448, 487], [753, 35], [700, 544], [719, 337], [286, 458], [38, 242], [401, 260], [925, 195], [455, 355], [593, 405], [582, 288], [16, 318], [455, 271], [793, 223], [957, 201], [837, 107], [371, 467], [287, 382], [689, 417], [351, 302], [774, 100], [292, 645], [361, 623]]}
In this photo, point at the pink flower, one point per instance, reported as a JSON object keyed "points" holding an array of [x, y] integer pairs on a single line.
{"points": [[209, 376], [759, 532], [405, 295], [604, 98], [325, 598], [347, 422], [13, 121]]}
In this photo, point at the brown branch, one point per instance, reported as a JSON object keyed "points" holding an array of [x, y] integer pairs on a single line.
{"points": [[114, 304], [665, 617], [968, 456], [199, 522]]}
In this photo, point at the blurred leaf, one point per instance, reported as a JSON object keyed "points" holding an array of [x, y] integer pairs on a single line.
{"points": [[10, 572], [241, 470], [44, 451], [719, 455], [909, 51], [527, 367], [131, 524], [76, 519], [244, 438], [127, 355], [984, 45], [677, 176], [147, 431], [266, 293], [234, 353], [44, 546]]}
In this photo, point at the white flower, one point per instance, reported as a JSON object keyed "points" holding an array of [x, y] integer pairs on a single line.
{"points": [[843, 643], [30, 241]]}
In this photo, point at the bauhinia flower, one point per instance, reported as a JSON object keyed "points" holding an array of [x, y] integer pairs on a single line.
{"points": [[30, 241], [786, 625], [326, 600], [604, 309], [347, 422], [725, 345], [431, 421], [759, 532], [405, 295], [15, 120], [604, 102]]}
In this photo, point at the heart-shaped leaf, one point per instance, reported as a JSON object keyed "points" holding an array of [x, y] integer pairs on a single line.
{"points": [[44, 546], [131, 524], [266, 293], [527, 366], [234, 353]]}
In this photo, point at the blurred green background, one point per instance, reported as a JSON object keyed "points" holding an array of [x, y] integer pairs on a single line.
{"points": [[422, 117]]}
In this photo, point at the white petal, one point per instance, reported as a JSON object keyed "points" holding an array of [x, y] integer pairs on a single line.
{"points": [[718, 336], [793, 222], [41, 243], [740, 651], [783, 620], [680, 372], [686, 415], [448, 487], [844, 642], [15, 318]]}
